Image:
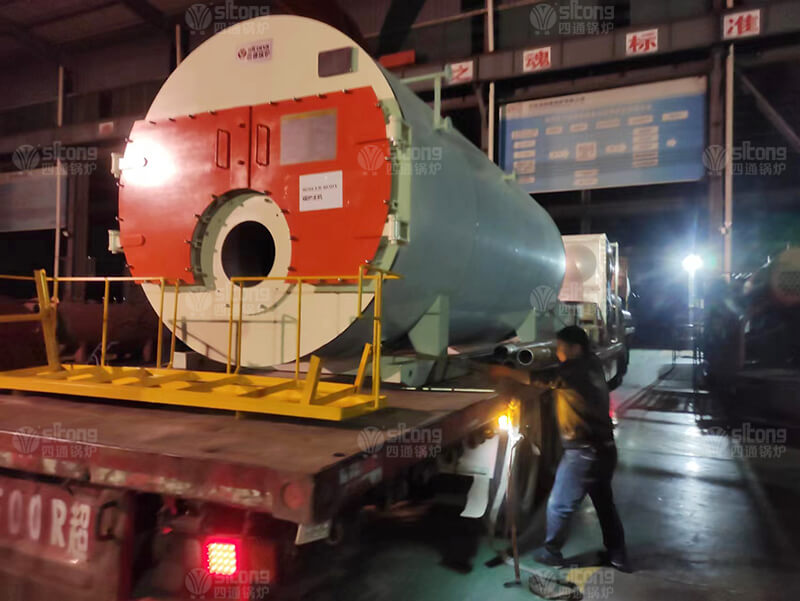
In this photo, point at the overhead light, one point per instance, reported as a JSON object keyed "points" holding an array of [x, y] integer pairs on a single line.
{"points": [[691, 263]]}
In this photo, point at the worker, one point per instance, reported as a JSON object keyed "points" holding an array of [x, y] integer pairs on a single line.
{"points": [[590, 455]]}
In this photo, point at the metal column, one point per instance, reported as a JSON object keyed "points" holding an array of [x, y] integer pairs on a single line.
{"points": [[716, 138]]}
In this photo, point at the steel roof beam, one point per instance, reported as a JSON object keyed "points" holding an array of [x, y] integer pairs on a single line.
{"points": [[36, 44], [780, 21], [772, 115], [148, 13]]}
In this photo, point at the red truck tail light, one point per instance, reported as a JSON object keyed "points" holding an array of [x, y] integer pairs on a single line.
{"points": [[222, 557]]}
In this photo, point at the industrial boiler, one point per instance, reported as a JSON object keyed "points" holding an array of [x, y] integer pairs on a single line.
{"points": [[283, 150]]}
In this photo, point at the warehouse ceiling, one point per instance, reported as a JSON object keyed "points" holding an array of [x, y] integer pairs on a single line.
{"points": [[49, 30]]}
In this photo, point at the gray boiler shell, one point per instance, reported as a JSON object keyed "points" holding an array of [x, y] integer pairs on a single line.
{"points": [[474, 236]]}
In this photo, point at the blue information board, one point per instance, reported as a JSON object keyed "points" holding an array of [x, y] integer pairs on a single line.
{"points": [[645, 134]]}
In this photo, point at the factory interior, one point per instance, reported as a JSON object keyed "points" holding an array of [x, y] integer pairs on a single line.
{"points": [[382, 300]]}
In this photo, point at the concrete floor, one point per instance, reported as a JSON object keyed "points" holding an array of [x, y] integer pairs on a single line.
{"points": [[701, 521]]}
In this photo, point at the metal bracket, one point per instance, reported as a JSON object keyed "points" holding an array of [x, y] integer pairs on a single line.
{"points": [[437, 77]]}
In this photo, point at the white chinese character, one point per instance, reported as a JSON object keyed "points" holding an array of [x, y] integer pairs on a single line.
{"points": [[78, 544]]}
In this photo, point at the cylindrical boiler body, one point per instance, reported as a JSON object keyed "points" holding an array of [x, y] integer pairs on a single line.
{"points": [[335, 170]]}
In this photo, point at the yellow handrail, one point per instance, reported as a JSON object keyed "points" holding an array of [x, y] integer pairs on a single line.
{"points": [[363, 275], [48, 306], [47, 310]]}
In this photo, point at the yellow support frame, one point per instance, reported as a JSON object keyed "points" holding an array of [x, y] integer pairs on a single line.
{"points": [[314, 399], [231, 391]]}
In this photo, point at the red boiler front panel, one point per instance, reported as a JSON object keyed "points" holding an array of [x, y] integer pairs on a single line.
{"points": [[175, 168]]}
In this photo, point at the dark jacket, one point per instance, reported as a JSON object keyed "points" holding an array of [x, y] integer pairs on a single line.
{"points": [[582, 403]]}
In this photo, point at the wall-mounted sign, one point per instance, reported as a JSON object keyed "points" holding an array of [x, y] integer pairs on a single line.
{"points": [[537, 59], [645, 134], [641, 42], [741, 24], [461, 72]]}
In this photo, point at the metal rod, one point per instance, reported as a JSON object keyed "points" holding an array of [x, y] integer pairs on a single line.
{"points": [[20, 278], [433, 75], [490, 25], [100, 278], [104, 338], [727, 259], [239, 330], [437, 77], [492, 93], [20, 317], [491, 123], [362, 367], [59, 124], [230, 330], [437, 102], [771, 114], [178, 49], [159, 339], [299, 323], [47, 315], [174, 325], [360, 288], [305, 278], [376, 342]]}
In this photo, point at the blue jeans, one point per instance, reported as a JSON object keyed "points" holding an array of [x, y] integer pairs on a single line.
{"points": [[581, 471]]}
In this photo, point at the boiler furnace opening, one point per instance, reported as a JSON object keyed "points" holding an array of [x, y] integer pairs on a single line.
{"points": [[248, 251]]}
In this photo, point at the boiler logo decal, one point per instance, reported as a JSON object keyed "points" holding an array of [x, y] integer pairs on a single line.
{"points": [[255, 51]]}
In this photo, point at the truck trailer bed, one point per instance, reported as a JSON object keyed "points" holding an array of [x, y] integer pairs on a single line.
{"points": [[300, 471]]}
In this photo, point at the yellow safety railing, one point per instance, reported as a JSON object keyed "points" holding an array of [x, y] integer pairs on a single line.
{"points": [[371, 351], [366, 273], [48, 304]]}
